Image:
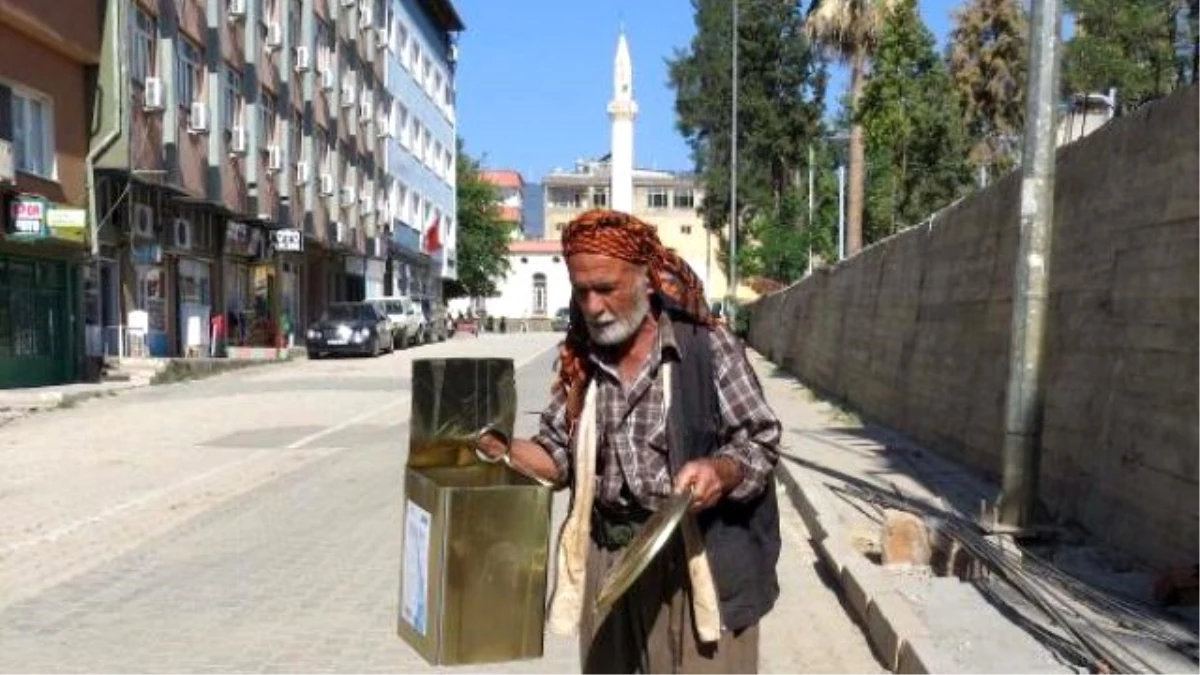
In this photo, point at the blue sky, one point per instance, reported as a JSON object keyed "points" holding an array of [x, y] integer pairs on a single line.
{"points": [[535, 76]]}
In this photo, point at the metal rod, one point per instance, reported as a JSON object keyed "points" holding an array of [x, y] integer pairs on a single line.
{"points": [[841, 212], [811, 205], [731, 293], [1023, 403]]}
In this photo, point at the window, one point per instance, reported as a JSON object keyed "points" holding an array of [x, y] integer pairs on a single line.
{"points": [[402, 202], [438, 93], [231, 114], [427, 213], [413, 209], [415, 139], [402, 125], [656, 198], [566, 198], [600, 197], [33, 134], [539, 294], [294, 24], [266, 121], [685, 229], [326, 50], [435, 161], [187, 71], [297, 149], [401, 44], [426, 73], [414, 55], [685, 199], [427, 145], [321, 147], [145, 38]]}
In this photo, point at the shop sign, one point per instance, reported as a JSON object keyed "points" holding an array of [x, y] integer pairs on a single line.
{"points": [[243, 240], [290, 240], [28, 218], [68, 224], [147, 254]]}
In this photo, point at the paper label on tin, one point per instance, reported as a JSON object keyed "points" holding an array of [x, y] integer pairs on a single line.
{"points": [[415, 585]]}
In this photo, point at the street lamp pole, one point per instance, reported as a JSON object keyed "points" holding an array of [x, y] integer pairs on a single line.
{"points": [[731, 291]]}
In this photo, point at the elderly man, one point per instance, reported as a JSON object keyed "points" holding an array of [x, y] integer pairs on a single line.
{"points": [[654, 397]]}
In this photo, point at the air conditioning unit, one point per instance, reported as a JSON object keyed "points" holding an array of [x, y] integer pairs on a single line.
{"points": [[328, 77], [274, 159], [348, 196], [153, 94], [381, 37], [303, 60], [237, 9], [341, 232], [303, 172], [183, 234], [366, 201], [238, 140], [452, 53], [8, 172], [143, 221], [366, 15], [326, 185], [198, 117], [348, 3], [348, 94], [274, 35], [383, 125]]}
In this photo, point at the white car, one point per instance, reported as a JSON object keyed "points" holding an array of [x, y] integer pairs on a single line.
{"points": [[406, 318]]}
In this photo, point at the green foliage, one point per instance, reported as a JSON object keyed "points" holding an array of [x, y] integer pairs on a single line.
{"points": [[916, 144], [987, 62], [781, 84], [1124, 44], [483, 235]]}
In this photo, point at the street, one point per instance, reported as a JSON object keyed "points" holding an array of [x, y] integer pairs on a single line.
{"points": [[251, 522]]}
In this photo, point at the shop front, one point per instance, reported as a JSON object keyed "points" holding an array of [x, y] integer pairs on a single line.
{"points": [[249, 288], [191, 249], [287, 247], [41, 249]]}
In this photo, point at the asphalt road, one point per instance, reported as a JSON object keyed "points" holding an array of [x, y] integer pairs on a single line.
{"points": [[251, 522]]}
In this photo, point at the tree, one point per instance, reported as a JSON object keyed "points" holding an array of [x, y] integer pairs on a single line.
{"points": [[483, 235], [781, 84], [1127, 45], [917, 159], [849, 30], [987, 62]]}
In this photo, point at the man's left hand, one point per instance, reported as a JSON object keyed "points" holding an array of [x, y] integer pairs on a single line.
{"points": [[709, 479]]}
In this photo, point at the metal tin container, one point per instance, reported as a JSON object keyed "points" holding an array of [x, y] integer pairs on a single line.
{"points": [[475, 536]]}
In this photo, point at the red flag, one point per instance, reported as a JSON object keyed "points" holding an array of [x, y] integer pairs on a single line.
{"points": [[433, 235]]}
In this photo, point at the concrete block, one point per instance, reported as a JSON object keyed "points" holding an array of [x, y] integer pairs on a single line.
{"points": [[912, 656], [857, 584], [890, 622]]}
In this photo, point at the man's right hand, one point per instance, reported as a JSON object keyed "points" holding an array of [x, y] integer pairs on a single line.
{"points": [[491, 445]]}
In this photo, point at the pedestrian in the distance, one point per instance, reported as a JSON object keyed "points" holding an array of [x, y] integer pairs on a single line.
{"points": [[654, 397]]}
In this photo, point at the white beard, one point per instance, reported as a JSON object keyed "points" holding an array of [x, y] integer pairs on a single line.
{"points": [[609, 330]]}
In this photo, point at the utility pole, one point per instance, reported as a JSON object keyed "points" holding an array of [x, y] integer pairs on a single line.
{"points": [[1024, 401], [841, 212], [731, 292]]}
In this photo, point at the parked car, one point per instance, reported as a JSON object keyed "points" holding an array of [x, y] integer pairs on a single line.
{"points": [[350, 328], [407, 320], [561, 320]]}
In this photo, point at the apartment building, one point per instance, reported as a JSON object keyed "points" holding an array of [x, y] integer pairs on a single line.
{"points": [[421, 146], [510, 189], [667, 200], [48, 51], [244, 176]]}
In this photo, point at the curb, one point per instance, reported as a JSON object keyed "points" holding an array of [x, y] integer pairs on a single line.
{"points": [[899, 637]]}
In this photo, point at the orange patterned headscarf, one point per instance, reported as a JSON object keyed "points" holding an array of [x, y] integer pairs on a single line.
{"points": [[620, 235]]}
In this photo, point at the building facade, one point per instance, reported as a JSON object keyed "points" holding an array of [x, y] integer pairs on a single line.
{"points": [[669, 201], [48, 54], [248, 166], [510, 189], [421, 146]]}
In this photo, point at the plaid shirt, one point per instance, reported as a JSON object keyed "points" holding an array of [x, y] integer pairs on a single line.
{"points": [[632, 446]]}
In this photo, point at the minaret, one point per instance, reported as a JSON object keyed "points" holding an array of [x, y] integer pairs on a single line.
{"points": [[621, 110]]}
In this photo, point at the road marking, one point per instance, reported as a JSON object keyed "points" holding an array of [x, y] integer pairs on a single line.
{"points": [[405, 398]]}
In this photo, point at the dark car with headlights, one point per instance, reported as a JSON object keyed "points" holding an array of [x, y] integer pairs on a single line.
{"points": [[350, 328]]}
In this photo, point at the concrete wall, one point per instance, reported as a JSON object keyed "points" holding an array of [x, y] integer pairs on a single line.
{"points": [[914, 331]]}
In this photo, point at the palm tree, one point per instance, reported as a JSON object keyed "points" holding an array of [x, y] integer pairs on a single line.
{"points": [[849, 31]]}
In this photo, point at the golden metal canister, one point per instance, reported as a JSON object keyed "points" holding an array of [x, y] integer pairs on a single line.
{"points": [[475, 536]]}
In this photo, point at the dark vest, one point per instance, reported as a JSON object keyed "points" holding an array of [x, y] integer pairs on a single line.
{"points": [[742, 539]]}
